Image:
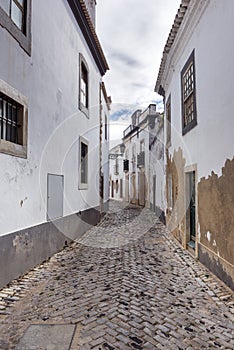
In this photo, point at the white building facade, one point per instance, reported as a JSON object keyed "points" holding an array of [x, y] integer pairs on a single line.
{"points": [[51, 105], [196, 78], [136, 139], [116, 178], [157, 167]]}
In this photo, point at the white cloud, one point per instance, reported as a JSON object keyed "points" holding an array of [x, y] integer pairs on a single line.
{"points": [[133, 34]]}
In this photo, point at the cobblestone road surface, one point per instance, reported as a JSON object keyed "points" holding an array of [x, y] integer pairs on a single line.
{"points": [[125, 285]]}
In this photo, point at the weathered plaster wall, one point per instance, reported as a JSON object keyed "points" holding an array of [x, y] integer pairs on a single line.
{"points": [[210, 143], [157, 166], [216, 219], [176, 214]]}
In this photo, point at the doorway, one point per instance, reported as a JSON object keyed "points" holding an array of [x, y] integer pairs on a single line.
{"points": [[191, 209]]}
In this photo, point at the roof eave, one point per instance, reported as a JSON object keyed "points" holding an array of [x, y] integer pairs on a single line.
{"points": [[82, 17], [159, 88]]}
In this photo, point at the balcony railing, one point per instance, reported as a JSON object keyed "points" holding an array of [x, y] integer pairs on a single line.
{"points": [[126, 165], [141, 159], [129, 129], [150, 110]]}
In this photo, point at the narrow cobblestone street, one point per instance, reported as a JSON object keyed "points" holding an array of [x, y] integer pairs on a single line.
{"points": [[126, 284]]}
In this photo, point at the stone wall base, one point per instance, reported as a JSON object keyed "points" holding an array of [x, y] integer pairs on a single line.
{"points": [[218, 266], [22, 250]]}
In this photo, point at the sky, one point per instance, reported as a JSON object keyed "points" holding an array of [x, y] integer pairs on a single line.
{"points": [[133, 34]]}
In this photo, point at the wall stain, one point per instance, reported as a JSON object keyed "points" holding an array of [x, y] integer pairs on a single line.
{"points": [[176, 217], [215, 212], [22, 201]]}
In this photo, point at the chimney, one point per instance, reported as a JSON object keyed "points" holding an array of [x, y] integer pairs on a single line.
{"points": [[91, 7]]}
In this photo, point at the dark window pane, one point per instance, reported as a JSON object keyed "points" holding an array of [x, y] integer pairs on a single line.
{"points": [[84, 163], [9, 111], [14, 114]]}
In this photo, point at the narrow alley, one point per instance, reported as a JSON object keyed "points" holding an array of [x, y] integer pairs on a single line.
{"points": [[126, 284]]}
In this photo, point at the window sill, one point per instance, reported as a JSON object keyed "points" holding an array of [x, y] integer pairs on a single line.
{"points": [[83, 186], [189, 127], [13, 149], [84, 110]]}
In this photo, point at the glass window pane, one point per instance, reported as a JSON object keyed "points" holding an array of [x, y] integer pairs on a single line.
{"points": [[14, 114], [16, 15], [5, 5], [21, 2]]}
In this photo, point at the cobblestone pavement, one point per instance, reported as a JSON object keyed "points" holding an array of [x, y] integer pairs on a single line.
{"points": [[126, 284]]}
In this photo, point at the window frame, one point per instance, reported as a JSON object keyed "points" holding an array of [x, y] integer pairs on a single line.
{"points": [[106, 128], [193, 122], [82, 107], [23, 37], [168, 121], [8, 147], [83, 185]]}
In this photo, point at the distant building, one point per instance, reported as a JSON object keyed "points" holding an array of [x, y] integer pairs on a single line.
{"points": [[116, 173], [137, 169], [157, 167], [104, 149], [53, 129], [196, 80]]}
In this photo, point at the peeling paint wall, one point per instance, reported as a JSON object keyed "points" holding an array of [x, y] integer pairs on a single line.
{"points": [[176, 212], [215, 215], [157, 166], [209, 145]]}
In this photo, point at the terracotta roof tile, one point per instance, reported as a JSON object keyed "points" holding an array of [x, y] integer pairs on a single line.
{"points": [[93, 31], [170, 40]]}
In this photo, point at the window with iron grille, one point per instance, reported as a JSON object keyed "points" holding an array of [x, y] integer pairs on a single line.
{"points": [[10, 120], [15, 16], [13, 121], [188, 85]]}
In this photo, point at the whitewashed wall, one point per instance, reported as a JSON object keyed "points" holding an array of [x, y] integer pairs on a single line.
{"points": [[116, 177], [210, 32], [49, 80], [105, 149]]}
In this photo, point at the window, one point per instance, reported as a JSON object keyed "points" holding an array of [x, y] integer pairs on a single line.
{"points": [[188, 85], [84, 86], [117, 186], [106, 128], [116, 166], [83, 184], [168, 124], [15, 16], [13, 121]]}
